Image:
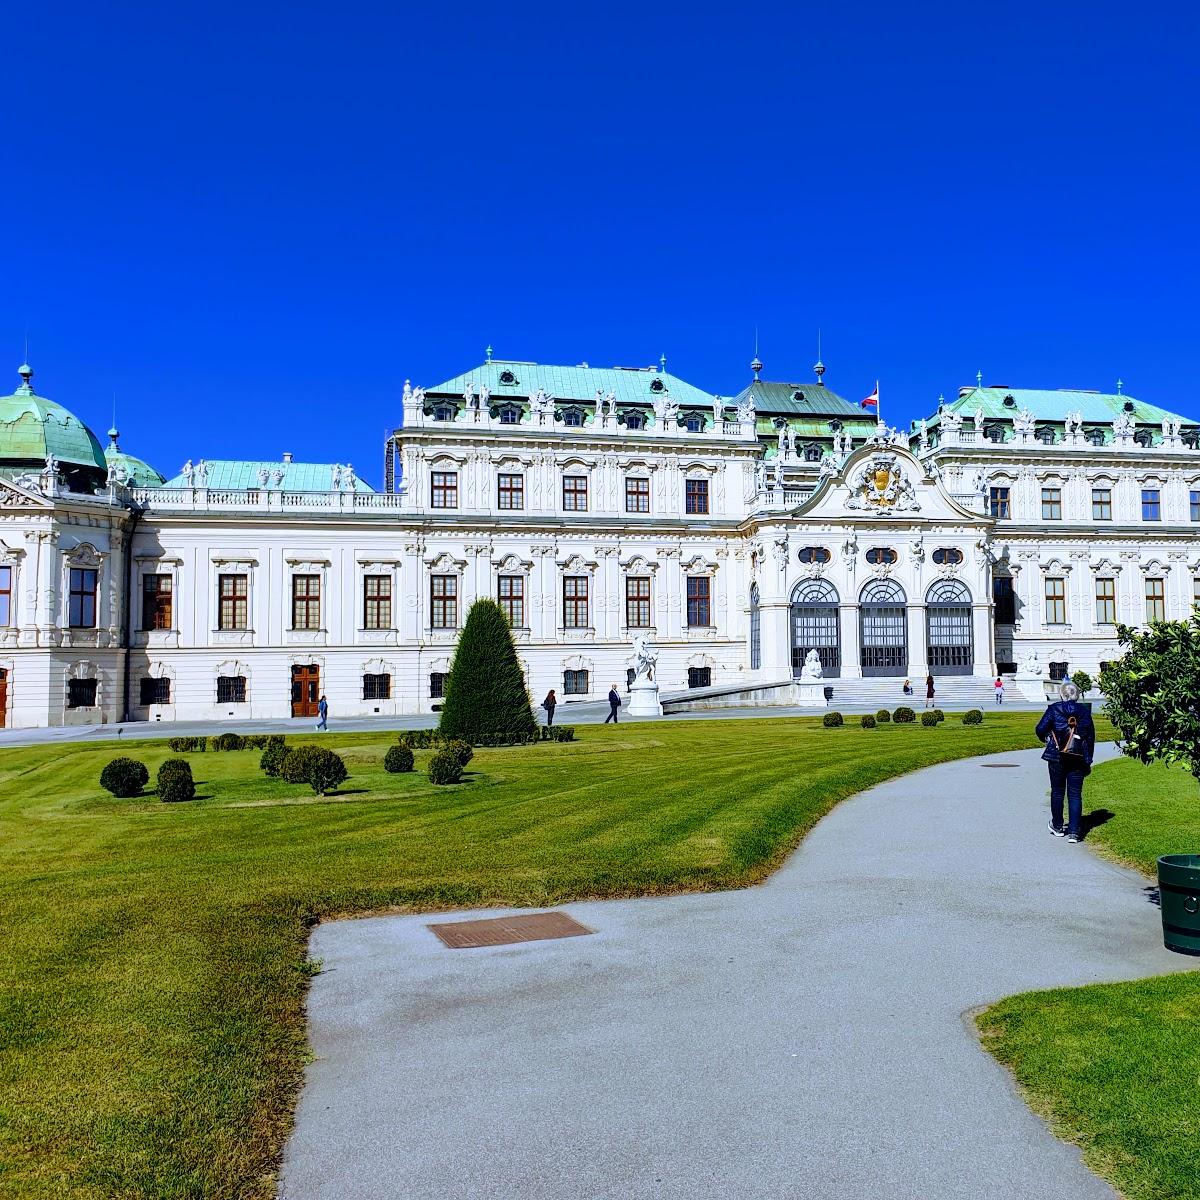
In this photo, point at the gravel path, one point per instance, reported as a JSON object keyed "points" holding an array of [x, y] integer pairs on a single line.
{"points": [[807, 1038]]}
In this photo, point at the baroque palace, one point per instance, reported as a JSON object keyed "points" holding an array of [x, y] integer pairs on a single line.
{"points": [[1008, 532]]}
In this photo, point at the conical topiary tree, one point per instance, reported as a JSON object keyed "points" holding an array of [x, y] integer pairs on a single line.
{"points": [[485, 690]]}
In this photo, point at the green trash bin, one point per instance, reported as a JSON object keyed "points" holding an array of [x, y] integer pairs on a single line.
{"points": [[1179, 894]]}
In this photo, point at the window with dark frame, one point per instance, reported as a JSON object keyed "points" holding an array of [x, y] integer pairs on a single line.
{"points": [[510, 593], [437, 685], [443, 602], [575, 493], [637, 494], [572, 418], [1051, 504], [377, 687], [377, 602], [156, 602], [81, 611], [575, 601], [699, 677], [1156, 603], [1058, 671], [443, 489], [637, 601], [815, 554], [5, 596], [81, 693], [575, 683], [1193, 501], [881, 556], [695, 496], [1106, 600], [694, 423], [1101, 504], [1151, 504], [231, 689], [1005, 600], [510, 492], [998, 502], [1056, 600], [306, 602], [155, 690], [699, 610], [234, 595]]}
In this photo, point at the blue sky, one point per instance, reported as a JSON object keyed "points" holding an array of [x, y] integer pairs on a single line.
{"points": [[253, 222]]}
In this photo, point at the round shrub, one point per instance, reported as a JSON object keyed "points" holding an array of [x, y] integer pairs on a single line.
{"points": [[868, 721], [461, 750], [398, 759], [273, 755], [904, 716], [444, 767], [937, 712], [883, 717], [174, 782], [833, 720], [124, 777], [973, 716], [929, 719], [226, 741], [320, 768]]}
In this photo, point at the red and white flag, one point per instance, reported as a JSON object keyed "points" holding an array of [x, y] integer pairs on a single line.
{"points": [[872, 401]]}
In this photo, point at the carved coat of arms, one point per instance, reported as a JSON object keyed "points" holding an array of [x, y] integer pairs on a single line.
{"points": [[880, 485]]}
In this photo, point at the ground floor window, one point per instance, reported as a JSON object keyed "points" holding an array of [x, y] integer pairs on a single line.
{"points": [[699, 677], [156, 691], [437, 685], [575, 683], [1058, 671], [231, 689], [377, 687], [81, 693]]}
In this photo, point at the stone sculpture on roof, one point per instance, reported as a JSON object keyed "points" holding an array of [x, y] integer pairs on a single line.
{"points": [[187, 471], [1024, 421], [1124, 425], [1074, 424], [951, 422], [746, 410]]}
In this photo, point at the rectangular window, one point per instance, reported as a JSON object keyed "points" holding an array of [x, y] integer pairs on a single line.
{"points": [[81, 693], [698, 610], [377, 687], [444, 489], [695, 496], [1004, 599], [234, 611], [1156, 604], [231, 689], [1194, 502], [637, 494], [1058, 671], [998, 502], [637, 601], [1101, 504], [1196, 591], [5, 595], [510, 492], [1151, 504], [575, 601], [699, 677], [575, 493], [156, 602], [1051, 504], [575, 683], [377, 602], [437, 685], [443, 602], [156, 691], [1106, 601], [1056, 600], [511, 595], [306, 602], [82, 600]]}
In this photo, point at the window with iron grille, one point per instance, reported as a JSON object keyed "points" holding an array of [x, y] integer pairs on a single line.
{"points": [[306, 602], [637, 601], [377, 687], [443, 602], [82, 599], [156, 602], [575, 683], [234, 595], [1051, 504], [695, 496], [698, 610], [1151, 504], [1106, 600], [1101, 504], [231, 689], [637, 494], [1058, 671], [510, 492], [81, 693], [699, 677], [1156, 604], [5, 595], [575, 601], [575, 493], [377, 602], [437, 685], [155, 691], [443, 489], [998, 502], [1056, 600], [510, 592]]}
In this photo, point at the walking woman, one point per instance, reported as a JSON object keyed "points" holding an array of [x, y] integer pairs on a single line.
{"points": [[1070, 738], [929, 691], [548, 704]]}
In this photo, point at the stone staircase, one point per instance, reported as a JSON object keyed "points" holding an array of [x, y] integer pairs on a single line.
{"points": [[956, 692]]}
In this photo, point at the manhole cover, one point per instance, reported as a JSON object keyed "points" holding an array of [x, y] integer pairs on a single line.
{"points": [[998, 766], [504, 931]]}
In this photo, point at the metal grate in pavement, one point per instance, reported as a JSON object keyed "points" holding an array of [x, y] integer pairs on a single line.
{"points": [[997, 766], [504, 931]]}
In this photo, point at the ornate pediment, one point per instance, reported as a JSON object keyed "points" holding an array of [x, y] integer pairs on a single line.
{"points": [[23, 493], [881, 484]]}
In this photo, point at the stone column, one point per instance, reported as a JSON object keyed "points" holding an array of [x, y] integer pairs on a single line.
{"points": [[851, 657], [917, 649], [982, 637]]}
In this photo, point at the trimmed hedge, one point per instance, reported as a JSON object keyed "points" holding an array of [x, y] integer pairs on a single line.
{"points": [[185, 745], [398, 759], [937, 712], [973, 716], [124, 777], [833, 720], [275, 751], [929, 719], [426, 739], [174, 782], [444, 767], [868, 721], [461, 750], [883, 717], [904, 716], [320, 768], [225, 741]]}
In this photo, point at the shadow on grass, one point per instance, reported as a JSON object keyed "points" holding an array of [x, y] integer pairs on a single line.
{"points": [[1091, 820]]}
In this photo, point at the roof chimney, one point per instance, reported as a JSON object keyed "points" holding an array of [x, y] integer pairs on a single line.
{"points": [[287, 456]]}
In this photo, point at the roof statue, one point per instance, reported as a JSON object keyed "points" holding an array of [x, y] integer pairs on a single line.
{"points": [[979, 421], [1073, 424], [951, 421], [188, 472], [335, 478], [746, 411], [202, 473], [1024, 421], [718, 411], [1124, 425]]}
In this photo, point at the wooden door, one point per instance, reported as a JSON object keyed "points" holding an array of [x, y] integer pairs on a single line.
{"points": [[306, 690]]}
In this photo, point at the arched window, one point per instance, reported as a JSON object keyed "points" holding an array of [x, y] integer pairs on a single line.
{"points": [[443, 412], [815, 626], [1095, 435], [812, 453], [694, 423], [881, 555], [1045, 435], [573, 418], [815, 554], [948, 628], [634, 420], [994, 432], [755, 630], [946, 555], [883, 628], [510, 414]]}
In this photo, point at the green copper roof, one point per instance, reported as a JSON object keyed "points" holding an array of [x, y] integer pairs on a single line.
{"points": [[137, 472], [32, 428], [801, 400], [235, 475], [1053, 405], [519, 380]]}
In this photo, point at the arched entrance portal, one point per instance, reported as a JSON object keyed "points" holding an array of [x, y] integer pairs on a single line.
{"points": [[815, 626], [948, 628], [883, 626]]}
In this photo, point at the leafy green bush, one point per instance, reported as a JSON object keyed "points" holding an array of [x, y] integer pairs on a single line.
{"points": [[867, 721], [937, 712], [124, 777], [398, 759], [832, 720], [174, 782], [225, 741], [320, 768], [883, 717], [973, 716], [419, 739], [444, 767], [485, 690], [1083, 681], [558, 733], [185, 745], [274, 752], [929, 719], [904, 716], [461, 750]]}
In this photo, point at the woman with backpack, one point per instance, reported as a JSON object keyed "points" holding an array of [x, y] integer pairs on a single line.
{"points": [[1070, 737], [549, 705]]}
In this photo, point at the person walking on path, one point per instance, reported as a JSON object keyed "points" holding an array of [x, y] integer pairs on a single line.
{"points": [[929, 689], [549, 704], [323, 714], [614, 702], [1070, 736], [999, 686]]}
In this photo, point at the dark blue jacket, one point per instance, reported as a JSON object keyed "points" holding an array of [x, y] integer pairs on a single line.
{"points": [[1054, 720]]}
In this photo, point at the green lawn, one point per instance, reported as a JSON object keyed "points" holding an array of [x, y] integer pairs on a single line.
{"points": [[153, 974], [1116, 1067]]}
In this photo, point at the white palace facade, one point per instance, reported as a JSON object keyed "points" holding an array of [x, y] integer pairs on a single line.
{"points": [[1011, 532]]}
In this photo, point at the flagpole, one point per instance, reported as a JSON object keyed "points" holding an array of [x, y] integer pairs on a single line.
{"points": [[878, 406]]}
